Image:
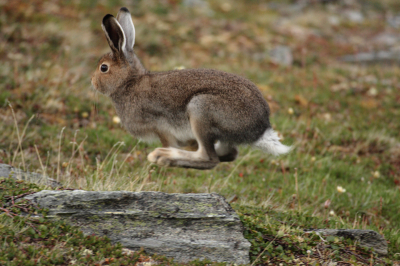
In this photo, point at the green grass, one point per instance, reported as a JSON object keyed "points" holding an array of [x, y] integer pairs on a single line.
{"points": [[33, 239], [344, 125]]}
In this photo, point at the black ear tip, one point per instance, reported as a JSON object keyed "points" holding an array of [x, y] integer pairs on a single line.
{"points": [[107, 17], [124, 9]]}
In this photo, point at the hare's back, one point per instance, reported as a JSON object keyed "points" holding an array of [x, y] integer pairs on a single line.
{"points": [[230, 103], [181, 85]]}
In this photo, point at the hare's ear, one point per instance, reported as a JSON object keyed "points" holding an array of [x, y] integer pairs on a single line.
{"points": [[125, 20], [114, 34]]}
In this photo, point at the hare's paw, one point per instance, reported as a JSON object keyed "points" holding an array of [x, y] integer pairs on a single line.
{"points": [[165, 156], [158, 153], [180, 158]]}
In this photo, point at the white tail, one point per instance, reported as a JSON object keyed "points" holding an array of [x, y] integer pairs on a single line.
{"points": [[269, 142]]}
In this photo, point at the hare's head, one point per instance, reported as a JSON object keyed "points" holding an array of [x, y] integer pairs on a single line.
{"points": [[115, 68]]}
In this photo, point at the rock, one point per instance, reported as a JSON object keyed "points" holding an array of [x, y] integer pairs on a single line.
{"points": [[195, 3], [386, 39], [351, 3], [329, 1], [182, 226], [354, 16], [281, 55], [16, 173], [334, 20], [201, 6], [373, 57], [288, 9], [366, 238], [394, 21]]}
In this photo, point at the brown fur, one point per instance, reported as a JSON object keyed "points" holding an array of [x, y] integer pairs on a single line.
{"points": [[194, 106]]}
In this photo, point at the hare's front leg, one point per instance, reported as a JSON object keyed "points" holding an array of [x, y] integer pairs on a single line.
{"points": [[204, 158]]}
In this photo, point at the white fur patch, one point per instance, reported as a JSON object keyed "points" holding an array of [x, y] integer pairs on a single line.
{"points": [[221, 148], [152, 157], [176, 154], [183, 133], [269, 142]]}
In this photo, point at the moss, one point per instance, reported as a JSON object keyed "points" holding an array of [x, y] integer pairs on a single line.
{"points": [[19, 233]]}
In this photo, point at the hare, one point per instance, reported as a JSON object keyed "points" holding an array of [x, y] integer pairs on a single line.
{"points": [[210, 110]]}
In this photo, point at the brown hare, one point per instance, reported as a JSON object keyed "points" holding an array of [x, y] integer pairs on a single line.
{"points": [[209, 109]]}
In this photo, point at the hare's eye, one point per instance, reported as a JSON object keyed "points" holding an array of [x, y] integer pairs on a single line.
{"points": [[104, 68]]}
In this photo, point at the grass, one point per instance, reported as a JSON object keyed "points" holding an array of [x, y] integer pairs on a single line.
{"points": [[341, 119], [30, 240]]}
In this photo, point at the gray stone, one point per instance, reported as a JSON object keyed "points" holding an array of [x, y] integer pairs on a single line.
{"points": [[394, 21], [201, 6], [195, 3], [366, 238], [378, 57], [281, 55], [16, 173], [387, 39], [182, 226], [334, 20], [354, 16]]}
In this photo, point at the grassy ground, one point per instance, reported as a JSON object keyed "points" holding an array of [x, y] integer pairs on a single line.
{"points": [[341, 119]]}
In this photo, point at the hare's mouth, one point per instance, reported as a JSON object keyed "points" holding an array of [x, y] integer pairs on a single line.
{"points": [[94, 85]]}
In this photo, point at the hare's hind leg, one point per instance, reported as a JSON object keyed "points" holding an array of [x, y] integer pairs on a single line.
{"points": [[169, 141], [204, 158], [226, 152]]}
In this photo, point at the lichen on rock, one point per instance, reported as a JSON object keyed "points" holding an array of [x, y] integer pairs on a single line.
{"points": [[182, 226]]}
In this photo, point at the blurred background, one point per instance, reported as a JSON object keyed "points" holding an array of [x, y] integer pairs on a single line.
{"points": [[328, 69]]}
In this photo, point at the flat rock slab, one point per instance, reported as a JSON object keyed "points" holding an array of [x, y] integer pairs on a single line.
{"points": [[183, 226], [8, 171], [378, 57], [366, 238]]}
